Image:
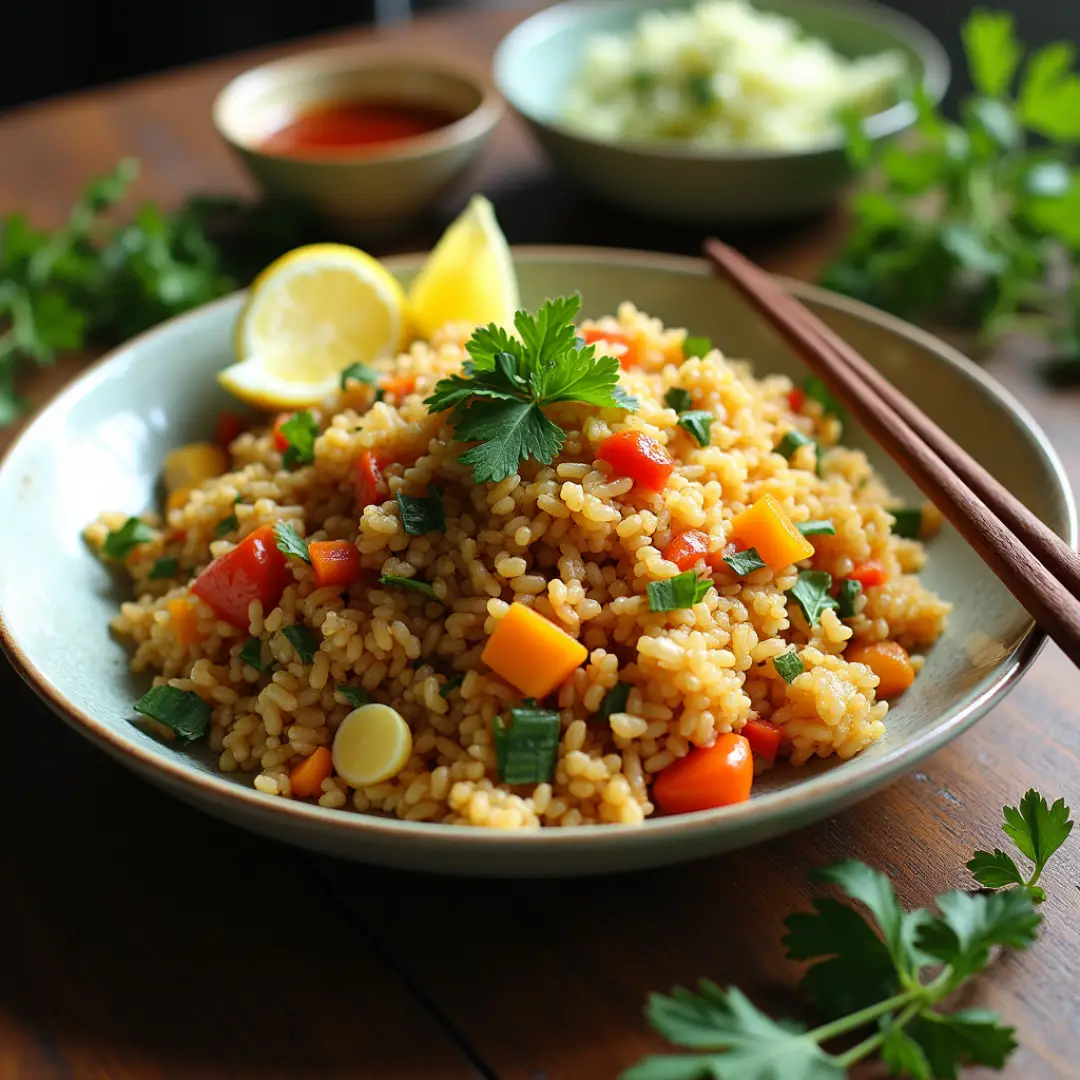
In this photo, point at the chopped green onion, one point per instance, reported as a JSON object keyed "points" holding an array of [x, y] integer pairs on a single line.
{"points": [[251, 654], [290, 542], [846, 597], [361, 373], [422, 515], [409, 583], [697, 346], [165, 567], [745, 562], [811, 593], [299, 432], [450, 685], [817, 528], [614, 701], [120, 543], [182, 710], [699, 423], [302, 640], [791, 442], [788, 666], [226, 526], [907, 522], [678, 398], [682, 591], [525, 749], [817, 391], [356, 696]]}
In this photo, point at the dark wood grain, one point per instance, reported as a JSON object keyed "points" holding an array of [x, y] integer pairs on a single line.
{"points": [[140, 940]]}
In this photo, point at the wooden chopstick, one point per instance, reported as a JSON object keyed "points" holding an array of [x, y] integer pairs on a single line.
{"points": [[1039, 569]]}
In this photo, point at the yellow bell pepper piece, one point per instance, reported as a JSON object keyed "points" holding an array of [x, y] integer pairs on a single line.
{"points": [[188, 466], [765, 527], [532, 653]]}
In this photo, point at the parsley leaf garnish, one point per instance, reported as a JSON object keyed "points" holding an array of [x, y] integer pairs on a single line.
{"points": [[300, 432], [302, 640], [356, 696], [498, 400], [678, 398], [614, 701], [120, 543], [846, 596], [745, 562], [697, 346], [699, 423], [409, 583], [359, 373], [811, 593], [422, 514], [789, 665], [182, 710], [290, 542], [681, 591], [165, 567], [817, 391]]}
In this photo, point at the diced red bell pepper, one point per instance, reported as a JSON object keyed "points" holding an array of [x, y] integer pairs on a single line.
{"points": [[370, 485], [630, 358], [281, 443], [229, 426], [796, 399], [763, 736], [335, 562], [868, 573], [253, 570], [685, 550], [634, 454]]}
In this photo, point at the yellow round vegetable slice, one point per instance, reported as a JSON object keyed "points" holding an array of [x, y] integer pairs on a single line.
{"points": [[469, 277], [372, 744]]}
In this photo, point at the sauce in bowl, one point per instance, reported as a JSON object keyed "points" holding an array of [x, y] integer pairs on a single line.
{"points": [[348, 125]]}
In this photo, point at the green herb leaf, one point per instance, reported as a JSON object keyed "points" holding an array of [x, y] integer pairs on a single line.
{"points": [[302, 640], [682, 591], [995, 870], [816, 528], [811, 593], [789, 665], [846, 596], [165, 567], [1037, 828], [697, 346], [791, 442], [422, 514], [359, 372], [451, 685], [525, 748], [993, 53], [904, 1056], [226, 526], [614, 701], [1050, 94], [120, 543], [965, 1037], [251, 654], [700, 88], [745, 562], [290, 542], [817, 391], [182, 710], [907, 522], [356, 696], [300, 432], [678, 399], [508, 433], [699, 423], [409, 583]]}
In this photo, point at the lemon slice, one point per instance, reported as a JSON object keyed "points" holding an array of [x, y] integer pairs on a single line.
{"points": [[372, 744], [312, 313], [469, 277]]}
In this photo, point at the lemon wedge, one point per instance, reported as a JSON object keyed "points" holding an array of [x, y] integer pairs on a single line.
{"points": [[312, 313], [469, 276], [372, 744]]}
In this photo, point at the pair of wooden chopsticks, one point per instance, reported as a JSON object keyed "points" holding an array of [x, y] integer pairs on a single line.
{"points": [[1036, 565]]}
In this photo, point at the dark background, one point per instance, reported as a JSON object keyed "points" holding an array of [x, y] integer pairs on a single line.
{"points": [[56, 46]]}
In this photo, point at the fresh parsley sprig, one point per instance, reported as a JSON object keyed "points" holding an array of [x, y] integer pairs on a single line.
{"points": [[883, 975], [498, 401]]}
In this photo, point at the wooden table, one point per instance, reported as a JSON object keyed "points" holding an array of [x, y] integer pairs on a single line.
{"points": [[140, 939]]}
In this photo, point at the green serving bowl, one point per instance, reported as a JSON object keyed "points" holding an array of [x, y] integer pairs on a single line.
{"points": [[102, 442], [536, 63]]}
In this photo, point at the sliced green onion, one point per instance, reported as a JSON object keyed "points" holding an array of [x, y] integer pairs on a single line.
{"points": [[791, 442], [409, 583], [817, 391], [422, 515], [182, 710], [525, 748], [745, 562], [682, 591], [907, 522], [817, 528], [697, 346]]}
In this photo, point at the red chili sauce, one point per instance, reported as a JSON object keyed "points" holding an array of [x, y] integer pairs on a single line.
{"points": [[343, 125]]}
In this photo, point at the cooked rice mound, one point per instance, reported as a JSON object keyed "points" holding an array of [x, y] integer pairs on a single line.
{"points": [[575, 542]]}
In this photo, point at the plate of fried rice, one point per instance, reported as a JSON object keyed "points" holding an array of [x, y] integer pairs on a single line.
{"points": [[613, 587]]}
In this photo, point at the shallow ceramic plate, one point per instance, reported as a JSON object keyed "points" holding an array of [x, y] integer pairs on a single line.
{"points": [[101, 444]]}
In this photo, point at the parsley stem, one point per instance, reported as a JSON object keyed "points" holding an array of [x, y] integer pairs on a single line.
{"points": [[872, 1042], [863, 1016]]}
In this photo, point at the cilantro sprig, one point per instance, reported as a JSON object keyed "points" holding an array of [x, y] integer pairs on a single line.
{"points": [[498, 401], [879, 974]]}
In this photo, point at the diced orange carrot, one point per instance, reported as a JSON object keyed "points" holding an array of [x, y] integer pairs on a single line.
{"points": [[718, 775], [531, 652], [629, 357], [307, 777], [869, 572], [184, 620], [763, 736], [889, 661], [765, 527], [397, 386], [335, 562], [634, 454]]}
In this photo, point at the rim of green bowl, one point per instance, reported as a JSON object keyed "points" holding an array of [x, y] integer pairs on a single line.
{"points": [[891, 121], [808, 800]]}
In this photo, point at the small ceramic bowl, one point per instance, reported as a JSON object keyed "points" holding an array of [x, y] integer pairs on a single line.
{"points": [[536, 63], [366, 190]]}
